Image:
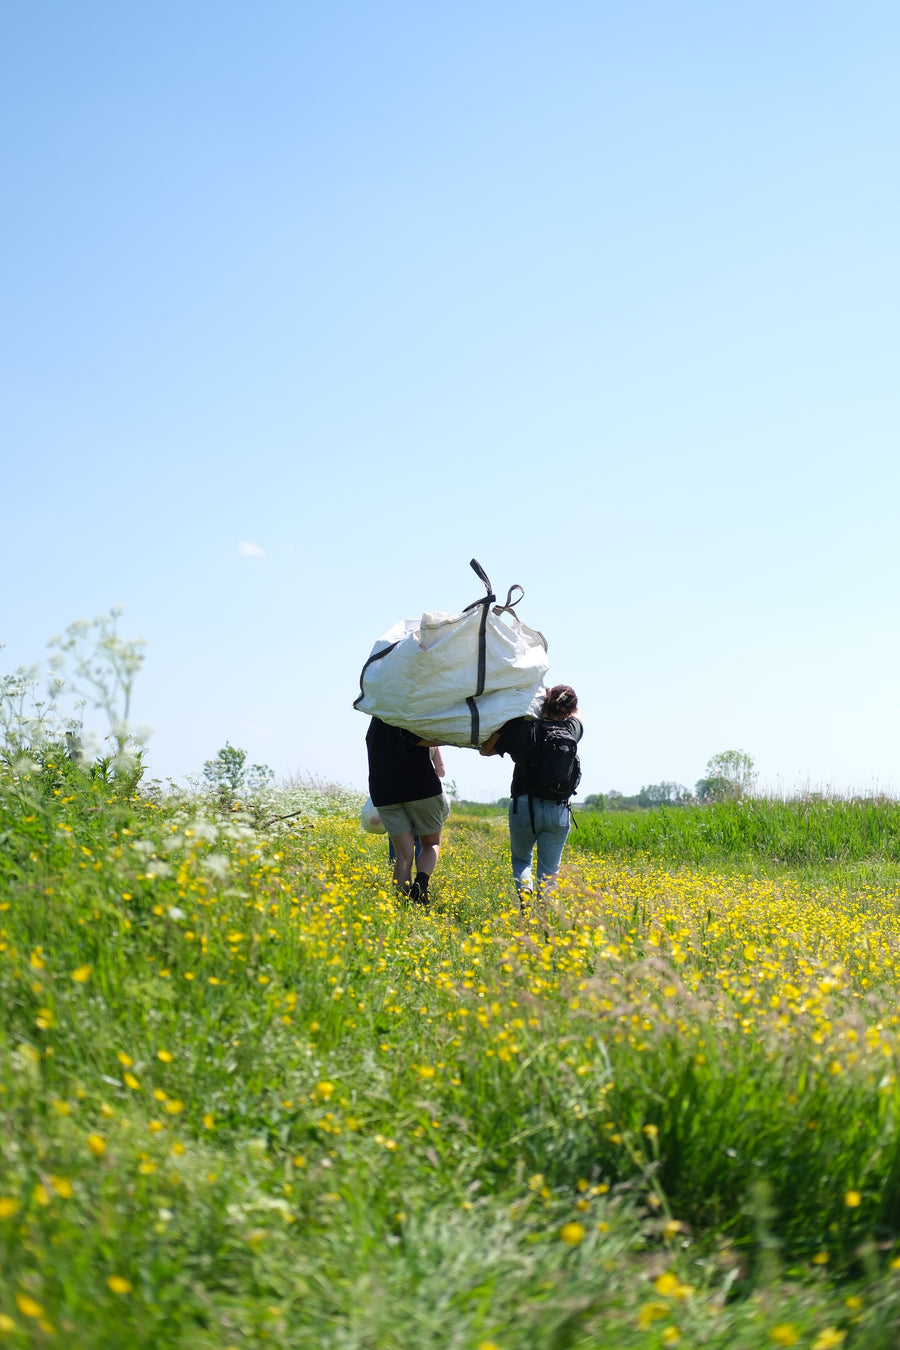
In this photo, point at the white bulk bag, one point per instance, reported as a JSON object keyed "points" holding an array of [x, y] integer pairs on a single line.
{"points": [[456, 678]]}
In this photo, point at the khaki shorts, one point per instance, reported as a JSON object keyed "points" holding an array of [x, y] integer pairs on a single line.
{"points": [[422, 817]]}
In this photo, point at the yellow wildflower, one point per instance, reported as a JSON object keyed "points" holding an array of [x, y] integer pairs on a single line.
{"points": [[829, 1339], [650, 1312], [28, 1307]]}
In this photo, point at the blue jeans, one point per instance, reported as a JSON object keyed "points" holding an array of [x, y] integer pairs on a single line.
{"points": [[551, 830]]}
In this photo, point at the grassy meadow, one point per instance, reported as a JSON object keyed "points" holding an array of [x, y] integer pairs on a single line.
{"points": [[247, 1099], [807, 834]]}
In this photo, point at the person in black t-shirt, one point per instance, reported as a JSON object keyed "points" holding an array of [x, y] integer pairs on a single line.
{"points": [[440, 769], [535, 820], [406, 790]]}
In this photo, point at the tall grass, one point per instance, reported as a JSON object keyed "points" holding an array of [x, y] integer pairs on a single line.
{"points": [[803, 832], [248, 1100]]}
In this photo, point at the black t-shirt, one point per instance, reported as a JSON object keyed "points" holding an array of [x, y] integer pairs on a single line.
{"points": [[400, 770], [515, 740]]}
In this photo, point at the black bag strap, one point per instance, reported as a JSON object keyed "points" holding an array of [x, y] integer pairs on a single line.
{"points": [[509, 607], [376, 656], [482, 647], [510, 604], [482, 576]]}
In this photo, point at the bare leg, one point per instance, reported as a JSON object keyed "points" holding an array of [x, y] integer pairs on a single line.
{"points": [[431, 847], [404, 849]]}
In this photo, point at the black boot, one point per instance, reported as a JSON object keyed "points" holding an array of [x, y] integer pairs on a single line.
{"points": [[418, 891]]}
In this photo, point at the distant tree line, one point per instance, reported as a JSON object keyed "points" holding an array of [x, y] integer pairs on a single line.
{"points": [[730, 775]]}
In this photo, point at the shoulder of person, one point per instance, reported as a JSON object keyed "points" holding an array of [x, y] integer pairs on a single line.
{"points": [[515, 724], [506, 734]]}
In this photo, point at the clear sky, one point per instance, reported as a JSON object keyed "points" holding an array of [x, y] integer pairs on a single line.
{"points": [[303, 306]]}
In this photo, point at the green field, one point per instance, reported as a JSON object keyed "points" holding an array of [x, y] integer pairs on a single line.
{"points": [[248, 1100], [808, 833]]}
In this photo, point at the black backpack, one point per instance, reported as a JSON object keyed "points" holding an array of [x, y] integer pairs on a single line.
{"points": [[552, 770]]}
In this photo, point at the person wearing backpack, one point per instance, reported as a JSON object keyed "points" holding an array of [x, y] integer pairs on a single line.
{"points": [[546, 775]]}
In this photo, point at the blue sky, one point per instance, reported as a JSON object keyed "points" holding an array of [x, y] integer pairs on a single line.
{"points": [[304, 306]]}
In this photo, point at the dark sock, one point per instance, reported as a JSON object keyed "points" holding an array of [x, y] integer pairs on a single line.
{"points": [[422, 879]]}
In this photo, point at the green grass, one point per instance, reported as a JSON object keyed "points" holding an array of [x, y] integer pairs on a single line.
{"points": [[247, 1100], [755, 831]]}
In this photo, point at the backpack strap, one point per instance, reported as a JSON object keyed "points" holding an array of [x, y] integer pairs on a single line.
{"points": [[531, 811], [536, 738]]}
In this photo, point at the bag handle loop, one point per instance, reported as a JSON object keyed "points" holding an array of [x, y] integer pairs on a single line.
{"points": [[510, 604], [482, 576]]}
